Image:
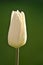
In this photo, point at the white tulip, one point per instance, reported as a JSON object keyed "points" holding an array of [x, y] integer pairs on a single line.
{"points": [[17, 34]]}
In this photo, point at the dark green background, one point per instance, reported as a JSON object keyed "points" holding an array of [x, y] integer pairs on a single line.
{"points": [[32, 52]]}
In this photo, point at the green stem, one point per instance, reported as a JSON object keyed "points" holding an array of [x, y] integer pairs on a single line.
{"points": [[17, 56]]}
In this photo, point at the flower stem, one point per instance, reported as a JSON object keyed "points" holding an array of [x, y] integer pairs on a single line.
{"points": [[17, 56]]}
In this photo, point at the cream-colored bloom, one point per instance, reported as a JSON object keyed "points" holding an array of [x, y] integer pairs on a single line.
{"points": [[17, 34]]}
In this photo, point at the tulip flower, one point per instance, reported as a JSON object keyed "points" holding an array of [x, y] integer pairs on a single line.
{"points": [[17, 34]]}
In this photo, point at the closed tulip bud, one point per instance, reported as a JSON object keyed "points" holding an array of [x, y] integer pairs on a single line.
{"points": [[17, 34]]}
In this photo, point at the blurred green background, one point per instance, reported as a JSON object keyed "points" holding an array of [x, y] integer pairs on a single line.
{"points": [[32, 52]]}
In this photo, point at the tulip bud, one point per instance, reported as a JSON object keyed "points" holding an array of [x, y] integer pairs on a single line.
{"points": [[17, 34]]}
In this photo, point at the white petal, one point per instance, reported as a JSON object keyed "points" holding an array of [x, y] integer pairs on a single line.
{"points": [[23, 30], [14, 30]]}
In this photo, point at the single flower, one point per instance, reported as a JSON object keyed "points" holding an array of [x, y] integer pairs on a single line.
{"points": [[17, 34]]}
